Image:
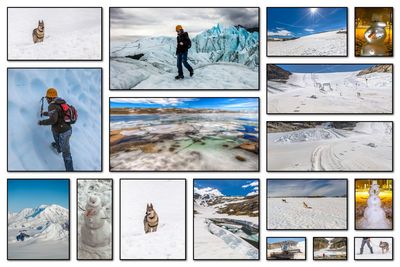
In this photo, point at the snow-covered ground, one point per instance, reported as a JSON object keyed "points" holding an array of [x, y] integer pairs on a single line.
{"points": [[367, 147], [168, 199], [48, 230], [222, 58], [325, 213], [28, 143], [103, 189], [349, 93], [214, 242], [320, 44], [70, 33], [377, 255]]}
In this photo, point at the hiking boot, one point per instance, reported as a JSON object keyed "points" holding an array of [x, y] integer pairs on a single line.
{"points": [[54, 145], [191, 74], [179, 77]]}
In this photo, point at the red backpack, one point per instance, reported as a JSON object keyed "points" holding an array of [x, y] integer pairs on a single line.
{"points": [[70, 113]]}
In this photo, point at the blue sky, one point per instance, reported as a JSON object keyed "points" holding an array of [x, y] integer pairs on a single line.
{"points": [[229, 187], [33, 193], [250, 104], [280, 239], [322, 68], [306, 187], [300, 21]]}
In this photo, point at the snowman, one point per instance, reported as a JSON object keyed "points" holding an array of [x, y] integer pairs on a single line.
{"points": [[96, 230], [375, 37], [374, 215]]}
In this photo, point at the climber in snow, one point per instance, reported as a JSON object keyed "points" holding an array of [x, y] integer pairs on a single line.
{"points": [[182, 47], [61, 116]]}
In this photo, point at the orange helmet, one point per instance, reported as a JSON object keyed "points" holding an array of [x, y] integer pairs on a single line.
{"points": [[178, 27], [51, 93]]}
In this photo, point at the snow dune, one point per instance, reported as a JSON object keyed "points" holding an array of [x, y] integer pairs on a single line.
{"points": [[28, 143], [168, 199], [371, 93], [70, 33], [320, 44], [368, 147]]}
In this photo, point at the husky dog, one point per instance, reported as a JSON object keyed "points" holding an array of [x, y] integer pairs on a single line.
{"points": [[38, 33], [150, 219], [306, 206], [384, 246], [284, 200]]}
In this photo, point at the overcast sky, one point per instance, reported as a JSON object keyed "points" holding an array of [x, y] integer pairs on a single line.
{"points": [[162, 21]]}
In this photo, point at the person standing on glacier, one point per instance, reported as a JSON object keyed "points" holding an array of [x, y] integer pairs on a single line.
{"points": [[182, 47]]}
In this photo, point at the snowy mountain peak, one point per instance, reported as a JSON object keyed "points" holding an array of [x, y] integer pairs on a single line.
{"points": [[208, 191]]}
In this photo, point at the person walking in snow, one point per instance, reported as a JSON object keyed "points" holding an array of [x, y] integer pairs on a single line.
{"points": [[61, 129], [182, 47], [366, 241]]}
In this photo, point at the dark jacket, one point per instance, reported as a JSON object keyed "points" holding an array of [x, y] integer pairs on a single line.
{"points": [[56, 117], [183, 38]]}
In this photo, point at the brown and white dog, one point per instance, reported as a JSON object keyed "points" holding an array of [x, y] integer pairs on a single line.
{"points": [[38, 33], [150, 219]]}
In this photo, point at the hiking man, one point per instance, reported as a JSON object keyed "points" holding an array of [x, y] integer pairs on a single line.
{"points": [[61, 130], [182, 47]]}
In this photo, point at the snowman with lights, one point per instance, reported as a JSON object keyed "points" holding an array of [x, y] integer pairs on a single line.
{"points": [[374, 215], [375, 37]]}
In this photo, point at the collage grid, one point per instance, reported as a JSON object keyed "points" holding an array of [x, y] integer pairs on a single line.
{"points": [[198, 174]]}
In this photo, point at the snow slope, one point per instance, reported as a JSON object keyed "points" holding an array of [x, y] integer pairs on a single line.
{"points": [[168, 199], [70, 33], [48, 228], [319, 44], [326, 213], [367, 147], [29, 143], [375, 247], [222, 58], [371, 93]]}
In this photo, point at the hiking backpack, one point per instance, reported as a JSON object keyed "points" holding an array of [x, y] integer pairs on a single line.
{"points": [[69, 112]]}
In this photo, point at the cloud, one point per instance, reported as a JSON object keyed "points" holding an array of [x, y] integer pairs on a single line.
{"points": [[254, 193], [252, 184], [159, 101], [309, 30], [280, 33]]}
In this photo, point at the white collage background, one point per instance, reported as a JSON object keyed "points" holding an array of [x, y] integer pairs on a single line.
{"points": [[262, 174]]}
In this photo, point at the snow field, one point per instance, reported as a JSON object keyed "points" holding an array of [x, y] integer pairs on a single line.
{"points": [[376, 249], [326, 213], [70, 33], [168, 199], [320, 44], [350, 93], [367, 147]]}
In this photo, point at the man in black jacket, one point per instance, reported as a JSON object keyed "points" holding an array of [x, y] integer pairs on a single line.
{"points": [[61, 130], [182, 47]]}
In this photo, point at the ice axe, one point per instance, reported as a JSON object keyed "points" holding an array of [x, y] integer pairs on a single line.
{"points": [[41, 106]]}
